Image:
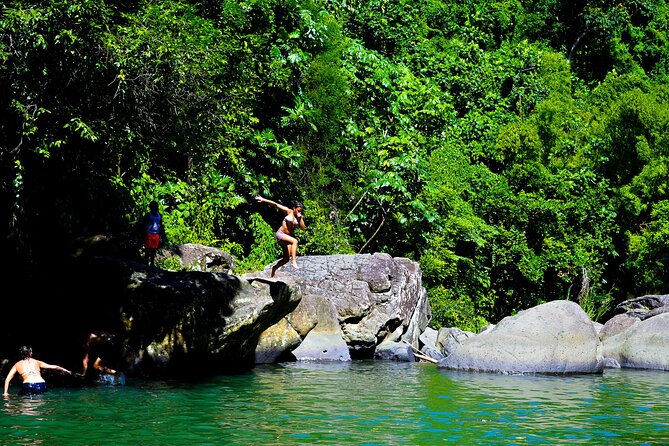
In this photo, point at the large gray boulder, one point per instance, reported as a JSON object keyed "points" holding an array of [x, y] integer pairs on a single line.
{"points": [[557, 337], [644, 345], [177, 322], [356, 301]]}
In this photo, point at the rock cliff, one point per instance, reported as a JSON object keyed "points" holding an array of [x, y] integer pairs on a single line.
{"points": [[350, 304], [333, 308]]}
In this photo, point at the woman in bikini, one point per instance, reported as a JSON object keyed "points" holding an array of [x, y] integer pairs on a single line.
{"points": [[29, 369], [284, 235]]}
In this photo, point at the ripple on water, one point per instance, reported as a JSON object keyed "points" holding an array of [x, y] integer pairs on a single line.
{"points": [[361, 402]]}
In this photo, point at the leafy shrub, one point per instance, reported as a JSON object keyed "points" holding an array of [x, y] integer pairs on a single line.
{"points": [[172, 263], [264, 250], [450, 310]]}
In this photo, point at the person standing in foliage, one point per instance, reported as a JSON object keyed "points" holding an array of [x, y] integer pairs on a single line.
{"points": [[29, 369], [153, 224], [284, 235]]}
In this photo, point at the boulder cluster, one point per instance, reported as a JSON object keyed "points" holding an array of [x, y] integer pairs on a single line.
{"points": [[344, 307], [350, 304], [558, 337], [331, 308]]}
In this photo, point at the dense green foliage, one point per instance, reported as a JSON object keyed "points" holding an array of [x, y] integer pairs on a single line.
{"points": [[518, 150]]}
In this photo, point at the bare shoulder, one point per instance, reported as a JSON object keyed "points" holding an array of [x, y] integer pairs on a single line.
{"points": [[45, 365]]}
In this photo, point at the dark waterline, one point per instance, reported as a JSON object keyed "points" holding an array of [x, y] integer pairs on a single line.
{"points": [[361, 402]]}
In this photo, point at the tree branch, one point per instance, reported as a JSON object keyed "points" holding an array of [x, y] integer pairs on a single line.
{"points": [[356, 205], [383, 220]]}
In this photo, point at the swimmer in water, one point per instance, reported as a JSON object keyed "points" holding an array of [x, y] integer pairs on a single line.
{"points": [[29, 369], [101, 352]]}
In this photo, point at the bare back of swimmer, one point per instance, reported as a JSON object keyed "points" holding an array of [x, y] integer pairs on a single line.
{"points": [[29, 369]]}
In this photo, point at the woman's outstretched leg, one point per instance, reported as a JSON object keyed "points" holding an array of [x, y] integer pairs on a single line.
{"points": [[279, 264], [283, 260]]}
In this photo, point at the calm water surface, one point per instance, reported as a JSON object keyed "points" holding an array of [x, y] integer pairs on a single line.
{"points": [[362, 402]]}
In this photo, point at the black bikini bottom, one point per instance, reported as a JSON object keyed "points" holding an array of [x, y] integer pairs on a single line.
{"points": [[32, 388]]}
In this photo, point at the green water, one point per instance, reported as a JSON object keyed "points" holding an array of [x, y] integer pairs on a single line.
{"points": [[362, 402]]}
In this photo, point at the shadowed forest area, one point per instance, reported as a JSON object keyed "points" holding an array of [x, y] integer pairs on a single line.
{"points": [[518, 150]]}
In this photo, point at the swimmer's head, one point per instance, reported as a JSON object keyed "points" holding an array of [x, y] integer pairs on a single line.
{"points": [[25, 352]]}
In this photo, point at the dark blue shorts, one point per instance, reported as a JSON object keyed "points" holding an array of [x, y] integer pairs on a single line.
{"points": [[32, 388]]}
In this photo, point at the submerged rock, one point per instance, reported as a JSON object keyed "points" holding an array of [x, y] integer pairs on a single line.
{"points": [[394, 351]]}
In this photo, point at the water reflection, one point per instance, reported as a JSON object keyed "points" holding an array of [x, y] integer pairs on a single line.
{"points": [[29, 405], [566, 392], [23, 416]]}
